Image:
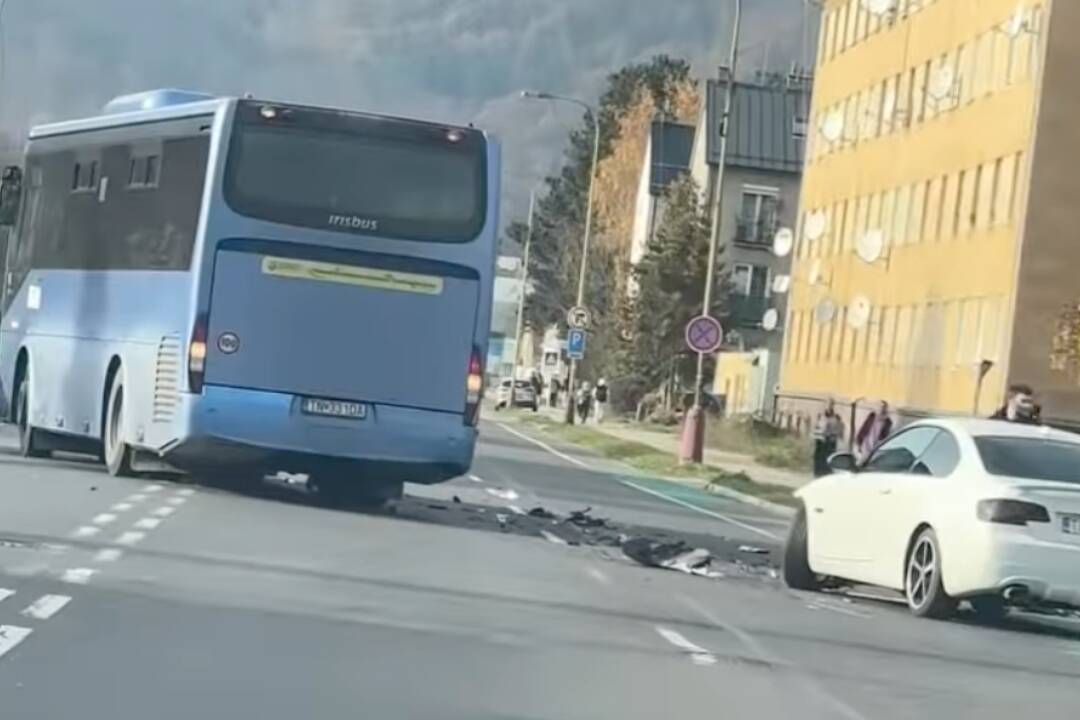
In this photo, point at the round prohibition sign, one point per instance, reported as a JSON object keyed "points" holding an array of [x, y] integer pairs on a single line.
{"points": [[704, 334]]}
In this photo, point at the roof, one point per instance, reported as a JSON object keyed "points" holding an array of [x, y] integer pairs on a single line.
{"points": [[670, 144], [767, 125], [978, 427], [173, 112]]}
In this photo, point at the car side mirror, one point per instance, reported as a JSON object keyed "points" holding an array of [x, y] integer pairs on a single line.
{"points": [[843, 463], [10, 195]]}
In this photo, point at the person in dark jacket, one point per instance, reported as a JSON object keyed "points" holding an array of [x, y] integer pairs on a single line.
{"points": [[828, 432], [876, 427], [1020, 406]]}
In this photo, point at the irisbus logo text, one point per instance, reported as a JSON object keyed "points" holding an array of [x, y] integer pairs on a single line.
{"points": [[353, 222]]}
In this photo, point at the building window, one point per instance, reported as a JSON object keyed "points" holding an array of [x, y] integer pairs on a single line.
{"points": [[757, 222], [85, 176], [749, 294], [144, 171]]}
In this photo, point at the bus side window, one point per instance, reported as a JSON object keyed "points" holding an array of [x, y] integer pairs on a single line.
{"points": [[21, 235]]}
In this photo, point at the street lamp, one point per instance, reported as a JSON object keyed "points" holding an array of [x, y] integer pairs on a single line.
{"points": [[534, 95], [692, 448]]}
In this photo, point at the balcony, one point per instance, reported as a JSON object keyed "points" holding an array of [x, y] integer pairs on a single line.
{"points": [[755, 232], [746, 311]]}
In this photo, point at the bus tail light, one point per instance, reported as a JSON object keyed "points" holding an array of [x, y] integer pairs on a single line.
{"points": [[197, 355], [474, 388]]}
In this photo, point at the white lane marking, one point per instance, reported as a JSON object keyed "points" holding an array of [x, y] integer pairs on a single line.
{"points": [[108, 555], [78, 576], [598, 576], [130, 537], [545, 446], [153, 488], [838, 609], [121, 507], [136, 497], [552, 537], [148, 523], [176, 500], [163, 511], [703, 511], [5, 594], [46, 606], [476, 478], [507, 494], [186, 492], [758, 649], [103, 519], [698, 654], [517, 510], [10, 636], [86, 531]]}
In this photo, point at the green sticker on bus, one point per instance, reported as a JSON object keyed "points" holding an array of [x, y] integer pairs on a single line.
{"points": [[352, 275]]}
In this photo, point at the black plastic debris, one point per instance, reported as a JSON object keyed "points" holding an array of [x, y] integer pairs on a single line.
{"points": [[457, 500], [676, 556], [437, 506], [583, 519], [539, 512]]}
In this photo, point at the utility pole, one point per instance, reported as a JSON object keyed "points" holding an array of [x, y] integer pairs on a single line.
{"points": [[693, 445], [521, 303]]}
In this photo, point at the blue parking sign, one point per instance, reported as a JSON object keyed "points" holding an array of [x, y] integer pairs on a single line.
{"points": [[575, 344]]}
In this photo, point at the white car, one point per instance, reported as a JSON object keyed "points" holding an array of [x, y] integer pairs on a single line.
{"points": [[524, 395], [982, 510]]}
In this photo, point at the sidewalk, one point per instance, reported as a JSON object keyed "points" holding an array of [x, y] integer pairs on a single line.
{"points": [[669, 442]]}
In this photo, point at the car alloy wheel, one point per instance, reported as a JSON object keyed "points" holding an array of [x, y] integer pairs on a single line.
{"points": [[923, 586]]}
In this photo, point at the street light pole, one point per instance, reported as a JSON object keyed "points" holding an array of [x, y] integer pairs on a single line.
{"points": [[693, 446], [521, 304], [588, 226]]}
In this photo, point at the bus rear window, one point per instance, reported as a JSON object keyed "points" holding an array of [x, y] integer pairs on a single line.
{"points": [[359, 174]]}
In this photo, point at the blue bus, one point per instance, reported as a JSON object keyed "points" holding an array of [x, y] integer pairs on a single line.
{"points": [[235, 287]]}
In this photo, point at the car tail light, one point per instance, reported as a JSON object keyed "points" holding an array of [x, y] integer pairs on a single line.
{"points": [[474, 388], [197, 355], [1011, 512]]}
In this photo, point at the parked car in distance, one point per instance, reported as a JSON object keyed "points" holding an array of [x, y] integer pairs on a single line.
{"points": [[524, 395], [946, 510]]}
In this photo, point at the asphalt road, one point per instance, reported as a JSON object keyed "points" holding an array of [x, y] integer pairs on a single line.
{"points": [[132, 599]]}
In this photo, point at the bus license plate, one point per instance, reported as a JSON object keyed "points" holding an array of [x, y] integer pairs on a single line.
{"points": [[1070, 524], [333, 408]]}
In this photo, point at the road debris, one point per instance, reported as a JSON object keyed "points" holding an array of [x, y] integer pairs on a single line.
{"points": [[583, 519], [540, 512], [457, 500], [753, 550], [676, 556]]}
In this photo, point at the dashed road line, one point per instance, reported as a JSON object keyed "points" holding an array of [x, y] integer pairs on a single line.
{"points": [[545, 446], [5, 594], [516, 509], [176, 500], [153, 488], [11, 636], [104, 519], [46, 606], [703, 511], [507, 494], [186, 492], [85, 531], [78, 576], [552, 537], [130, 537], [598, 576], [476, 478], [147, 523], [108, 555], [698, 654], [136, 497], [163, 511], [122, 507]]}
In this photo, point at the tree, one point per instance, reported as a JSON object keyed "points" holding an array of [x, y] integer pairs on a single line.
{"points": [[670, 283]]}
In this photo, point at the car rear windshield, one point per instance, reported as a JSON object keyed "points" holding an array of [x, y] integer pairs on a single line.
{"points": [[1032, 458], [356, 173]]}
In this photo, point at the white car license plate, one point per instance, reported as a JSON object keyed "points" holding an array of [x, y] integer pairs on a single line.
{"points": [[333, 408], [1070, 524]]}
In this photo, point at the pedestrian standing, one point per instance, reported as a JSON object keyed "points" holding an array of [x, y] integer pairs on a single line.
{"points": [[553, 392], [601, 397], [584, 402], [876, 427], [1020, 406], [828, 432]]}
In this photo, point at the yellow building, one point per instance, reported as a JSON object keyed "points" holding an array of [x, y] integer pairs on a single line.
{"points": [[940, 212]]}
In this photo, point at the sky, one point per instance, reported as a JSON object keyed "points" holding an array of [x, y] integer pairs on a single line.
{"points": [[449, 60]]}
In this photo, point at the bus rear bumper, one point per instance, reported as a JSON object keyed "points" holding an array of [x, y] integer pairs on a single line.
{"points": [[252, 428]]}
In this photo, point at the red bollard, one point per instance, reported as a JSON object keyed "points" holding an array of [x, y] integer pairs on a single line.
{"points": [[692, 446]]}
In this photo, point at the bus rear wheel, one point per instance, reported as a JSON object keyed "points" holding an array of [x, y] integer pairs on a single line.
{"points": [[30, 444], [117, 452]]}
